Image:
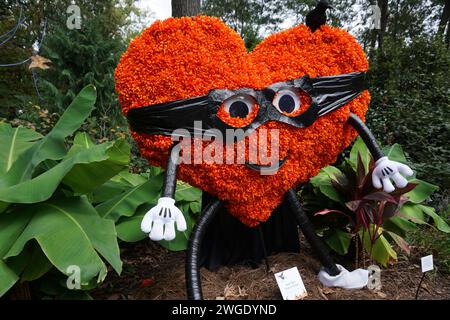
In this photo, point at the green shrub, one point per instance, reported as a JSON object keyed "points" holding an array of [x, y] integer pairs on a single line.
{"points": [[409, 84], [347, 206]]}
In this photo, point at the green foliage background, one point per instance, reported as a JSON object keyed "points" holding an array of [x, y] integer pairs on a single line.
{"points": [[410, 104]]}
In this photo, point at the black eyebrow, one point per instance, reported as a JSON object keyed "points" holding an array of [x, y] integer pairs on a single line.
{"points": [[159, 118], [161, 107], [332, 92]]}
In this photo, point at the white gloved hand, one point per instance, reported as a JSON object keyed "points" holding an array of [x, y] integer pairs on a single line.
{"points": [[160, 220], [387, 170]]}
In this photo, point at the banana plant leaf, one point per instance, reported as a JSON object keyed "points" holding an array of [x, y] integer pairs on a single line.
{"points": [[83, 178], [126, 203], [71, 233], [44, 185], [52, 145], [14, 141]]}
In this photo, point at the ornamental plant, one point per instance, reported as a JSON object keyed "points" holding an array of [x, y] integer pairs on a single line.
{"points": [[351, 208], [66, 203]]}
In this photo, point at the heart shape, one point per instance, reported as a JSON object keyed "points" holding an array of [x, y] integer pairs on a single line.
{"points": [[186, 57]]}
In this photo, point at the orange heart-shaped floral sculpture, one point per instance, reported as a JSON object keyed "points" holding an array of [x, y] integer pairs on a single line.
{"points": [[179, 58]]}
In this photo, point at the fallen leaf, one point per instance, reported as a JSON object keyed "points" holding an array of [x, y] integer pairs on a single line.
{"points": [[322, 293], [233, 292], [382, 294], [301, 296], [327, 290], [39, 62], [425, 287]]}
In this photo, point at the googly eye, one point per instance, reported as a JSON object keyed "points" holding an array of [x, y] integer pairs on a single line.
{"points": [[239, 106], [239, 110], [287, 101]]}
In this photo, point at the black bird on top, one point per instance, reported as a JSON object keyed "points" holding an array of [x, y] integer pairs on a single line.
{"points": [[318, 16]]}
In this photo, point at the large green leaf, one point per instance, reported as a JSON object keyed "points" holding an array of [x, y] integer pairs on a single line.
{"points": [[395, 153], [126, 203], [185, 192], [195, 206], [38, 268], [52, 145], [70, 233], [14, 141], [42, 187], [338, 240], [118, 184], [7, 278], [83, 140], [438, 221], [107, 191], [3, 206], [131, 179], [360, 147], [30, 271], [399, 225], [323, 181], [413, 213], [382, 250], [85, 177], [12, 225], [129, 228], [421, 192]]}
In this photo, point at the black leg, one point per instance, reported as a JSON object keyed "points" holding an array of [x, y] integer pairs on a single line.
{"points": [[308, 230], [193, 281]]}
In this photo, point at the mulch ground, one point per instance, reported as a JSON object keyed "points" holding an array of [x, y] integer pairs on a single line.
{"points": [[151, 272]]}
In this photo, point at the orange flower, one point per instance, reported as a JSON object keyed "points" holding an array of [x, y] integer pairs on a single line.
{"points": [[185, 57]]}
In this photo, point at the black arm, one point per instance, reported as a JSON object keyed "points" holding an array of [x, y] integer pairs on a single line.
{"points": [[170, 178], [366, 135]]}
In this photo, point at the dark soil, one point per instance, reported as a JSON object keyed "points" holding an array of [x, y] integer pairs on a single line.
{"points": [[151, 272]]}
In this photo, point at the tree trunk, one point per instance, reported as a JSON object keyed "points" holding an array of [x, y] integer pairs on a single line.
{"points": [[447, 35], [383, 4], [444, 23], [445, 17], [184, 8]]}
